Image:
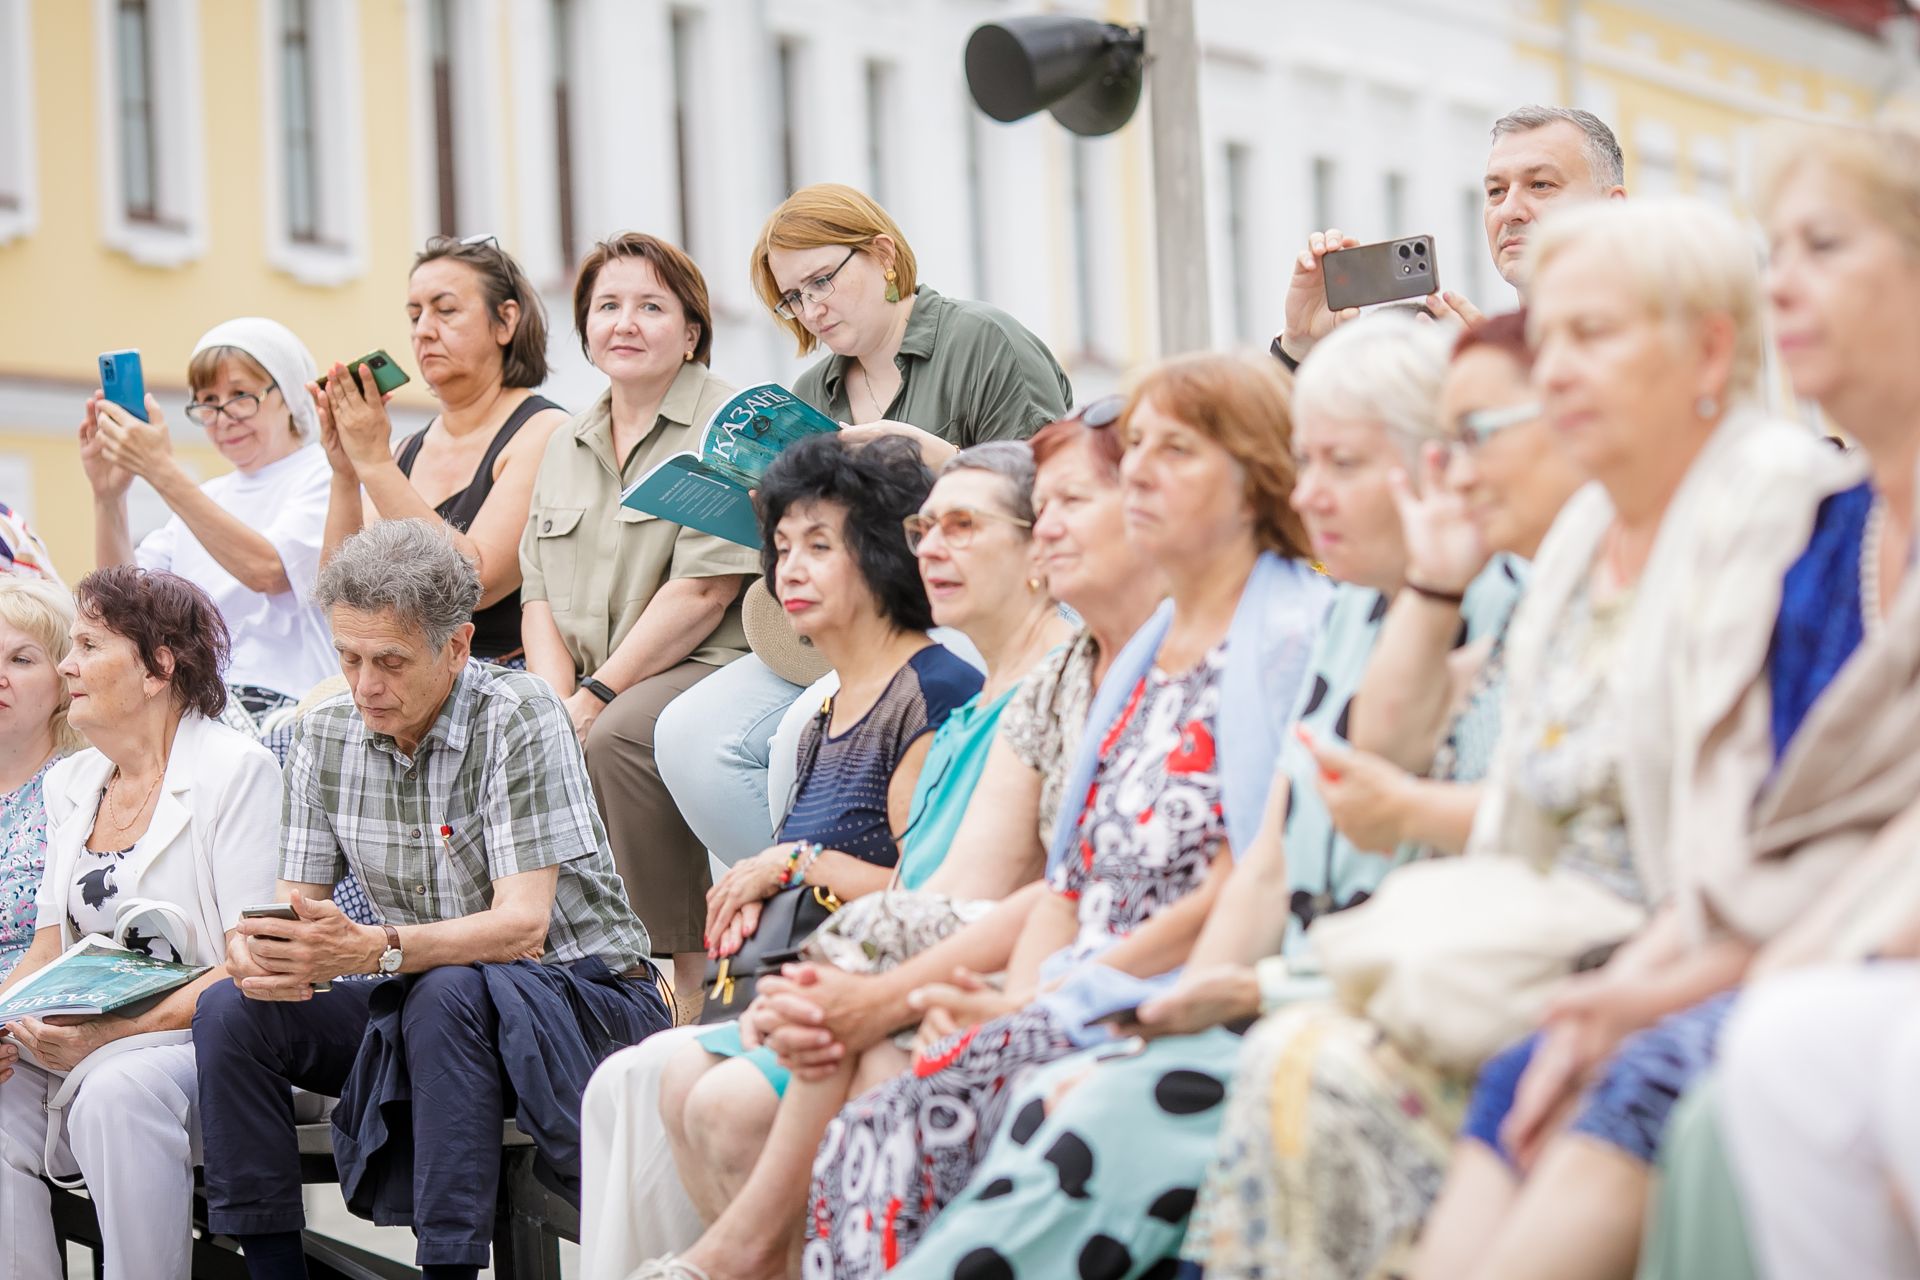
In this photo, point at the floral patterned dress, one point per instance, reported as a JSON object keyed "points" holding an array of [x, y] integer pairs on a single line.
{"points": [[23, 859], [1150, 828]]}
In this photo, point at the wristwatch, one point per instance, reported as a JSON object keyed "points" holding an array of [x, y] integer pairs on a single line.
{"points": [[390, 958], [598, 690]]}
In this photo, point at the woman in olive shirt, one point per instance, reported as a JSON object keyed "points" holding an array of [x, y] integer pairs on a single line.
{"points": [[623, 611], [836, 271]]}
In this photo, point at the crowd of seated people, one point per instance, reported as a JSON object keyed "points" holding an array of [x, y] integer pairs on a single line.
{"points": [[1418, 802]]}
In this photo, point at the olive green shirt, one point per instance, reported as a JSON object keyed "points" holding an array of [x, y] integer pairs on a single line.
{"points": [[598, 564], [968, 372]]}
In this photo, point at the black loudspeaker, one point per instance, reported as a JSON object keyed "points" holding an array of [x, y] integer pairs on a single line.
{"points": [[1088, 74]]}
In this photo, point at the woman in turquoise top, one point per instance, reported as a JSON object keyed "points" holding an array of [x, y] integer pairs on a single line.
{"points": [[34, 617]]}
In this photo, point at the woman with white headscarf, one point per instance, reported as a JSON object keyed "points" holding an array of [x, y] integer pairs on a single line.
{"points": [[250, 539]]}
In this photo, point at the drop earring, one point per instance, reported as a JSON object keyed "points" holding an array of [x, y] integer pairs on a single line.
{"points": [[893, 286]]}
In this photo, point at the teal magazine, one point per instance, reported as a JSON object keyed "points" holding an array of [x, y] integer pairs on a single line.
{"points": [[94, 976], [707, 488]]}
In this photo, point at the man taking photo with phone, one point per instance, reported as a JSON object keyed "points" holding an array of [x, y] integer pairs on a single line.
{"points": [[1543, 158]]}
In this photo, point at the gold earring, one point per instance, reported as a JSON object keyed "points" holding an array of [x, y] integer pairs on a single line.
{"points": [[687, 358], [893, 288], [1033, 584]]}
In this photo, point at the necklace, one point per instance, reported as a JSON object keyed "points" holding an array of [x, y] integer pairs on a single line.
{"points": [[873, 401], [1870, 539], [113, 810]]}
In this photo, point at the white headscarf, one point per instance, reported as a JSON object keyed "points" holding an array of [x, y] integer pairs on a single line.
{"points": [[284, 357]]}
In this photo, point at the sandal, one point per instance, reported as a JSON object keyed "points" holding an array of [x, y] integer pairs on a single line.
{"points": [[669, 1268]]}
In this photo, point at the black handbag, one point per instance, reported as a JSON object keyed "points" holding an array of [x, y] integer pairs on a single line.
{"points": [[787, 919]]}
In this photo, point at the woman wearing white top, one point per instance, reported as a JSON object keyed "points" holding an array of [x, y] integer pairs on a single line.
{"points": [[167, 807], [250, 539]]}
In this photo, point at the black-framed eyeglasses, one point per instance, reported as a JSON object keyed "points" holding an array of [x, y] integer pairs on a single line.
{"points": [[238, 408], [1477, 427], [1096, 414], [957, 525], [814, 291]]}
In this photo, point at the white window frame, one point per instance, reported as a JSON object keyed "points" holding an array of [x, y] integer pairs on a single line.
{"points": [[179, 159], [338, 254], [480, 122], [18, 158]]}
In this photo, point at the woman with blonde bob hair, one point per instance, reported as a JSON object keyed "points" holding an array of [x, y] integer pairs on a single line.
{"points": [[34, 733], [946, 373], [1647, 320]]}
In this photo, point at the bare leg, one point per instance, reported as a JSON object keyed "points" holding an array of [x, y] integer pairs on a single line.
{"points": [[1479, 1194], [1579, 1216], [728, 1115], [682, 1075], [760, 1232]]}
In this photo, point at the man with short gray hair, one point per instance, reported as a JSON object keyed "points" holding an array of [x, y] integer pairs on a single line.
{"points": [[1542, 158], [509, 963]]}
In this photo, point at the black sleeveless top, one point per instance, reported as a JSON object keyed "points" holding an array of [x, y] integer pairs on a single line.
{"points": [[496, 628]]}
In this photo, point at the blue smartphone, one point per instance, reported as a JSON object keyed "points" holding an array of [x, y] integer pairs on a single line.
{"points": [[123, 381]]}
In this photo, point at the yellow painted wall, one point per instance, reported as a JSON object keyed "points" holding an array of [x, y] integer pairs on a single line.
{"points": [[65, 296]]}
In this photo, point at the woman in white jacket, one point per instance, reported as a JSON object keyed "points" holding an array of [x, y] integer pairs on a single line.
{"points": [[167, 809]]}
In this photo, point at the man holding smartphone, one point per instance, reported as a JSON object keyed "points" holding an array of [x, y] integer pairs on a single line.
{"points": [[510, 962], [1543, 158]]}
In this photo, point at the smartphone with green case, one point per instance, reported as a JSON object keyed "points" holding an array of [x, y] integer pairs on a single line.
{"points": [[387, 375]]}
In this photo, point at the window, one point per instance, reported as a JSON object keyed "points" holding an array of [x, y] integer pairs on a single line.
{"points": [[296, 120], [879, 130], [17, 203], [446, 170], [787, 104], [568, 213], [147, 88], [1240, 250], [1325, 174], [313, 176], [685, 34], [133, 69]]}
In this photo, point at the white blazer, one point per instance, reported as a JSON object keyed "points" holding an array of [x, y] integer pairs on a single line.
{"points": [[212, 847]]}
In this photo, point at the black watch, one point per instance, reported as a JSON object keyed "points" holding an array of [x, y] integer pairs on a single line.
{"points": [[598, 690]]}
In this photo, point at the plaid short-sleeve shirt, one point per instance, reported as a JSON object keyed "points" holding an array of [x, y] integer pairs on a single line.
{"points": [[497, 787]]}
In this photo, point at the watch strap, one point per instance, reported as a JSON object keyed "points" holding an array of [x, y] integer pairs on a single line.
{"points": [[393, 939], [598, 690]]}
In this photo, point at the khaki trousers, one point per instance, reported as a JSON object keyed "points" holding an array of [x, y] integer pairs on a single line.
{"points": [[662, 862]]}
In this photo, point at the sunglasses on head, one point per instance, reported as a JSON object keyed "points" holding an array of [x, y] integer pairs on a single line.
{"points": [[1103, 412]]}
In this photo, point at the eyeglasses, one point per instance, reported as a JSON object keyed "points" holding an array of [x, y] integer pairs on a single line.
{"points": [[1476, 427], [816, 290], [238, 409], [956, 526], [1096, 414]]}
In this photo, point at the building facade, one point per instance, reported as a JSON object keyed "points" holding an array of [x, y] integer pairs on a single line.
{"points": [[167, 164]]}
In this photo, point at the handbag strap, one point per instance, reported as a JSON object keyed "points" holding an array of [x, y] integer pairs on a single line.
{"points": [[821, 720]]}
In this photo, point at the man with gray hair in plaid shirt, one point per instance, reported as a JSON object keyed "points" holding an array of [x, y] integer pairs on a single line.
{"points": [[508, 963]]}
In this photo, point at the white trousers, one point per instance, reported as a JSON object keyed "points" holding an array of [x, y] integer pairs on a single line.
{"points": [[1821, 1116], [632, 1204], [131, 1130]]}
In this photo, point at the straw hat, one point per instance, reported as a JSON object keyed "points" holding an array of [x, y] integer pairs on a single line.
{"points": [[773, 639]]}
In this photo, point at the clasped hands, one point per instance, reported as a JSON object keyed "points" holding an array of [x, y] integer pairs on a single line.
{"points": [[283, 959]]}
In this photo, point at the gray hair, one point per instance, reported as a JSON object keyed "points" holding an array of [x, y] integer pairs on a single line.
{"points": [[1603, 149], [1011, 460], [408, 566], [1385, 368]]}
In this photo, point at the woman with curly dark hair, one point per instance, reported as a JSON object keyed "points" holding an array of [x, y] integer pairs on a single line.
{"points": [[158, 835], [834, 556]]}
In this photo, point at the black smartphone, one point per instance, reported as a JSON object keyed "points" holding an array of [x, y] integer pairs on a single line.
{"points": [[280, 911], [386, 374], [1384, 272]]}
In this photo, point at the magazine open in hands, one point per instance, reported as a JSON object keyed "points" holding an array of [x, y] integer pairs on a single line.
{"points": [[708, 488]]}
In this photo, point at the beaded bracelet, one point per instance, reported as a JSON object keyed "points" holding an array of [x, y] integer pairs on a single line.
{"points": [[793, 859]]}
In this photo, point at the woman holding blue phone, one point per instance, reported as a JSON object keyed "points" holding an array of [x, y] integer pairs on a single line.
{"points": [[250, 539]]}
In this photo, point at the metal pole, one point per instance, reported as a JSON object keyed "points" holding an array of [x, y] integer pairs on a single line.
{"points": [[1179, 183]]}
